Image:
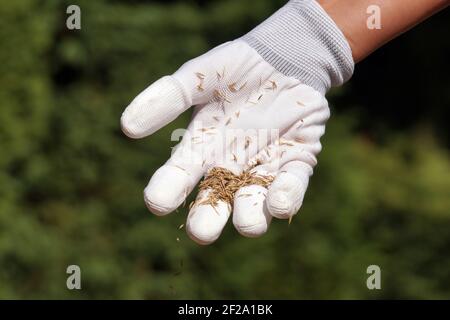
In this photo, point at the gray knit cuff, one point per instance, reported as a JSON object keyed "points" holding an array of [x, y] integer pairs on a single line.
{"points": [[302, 41]]}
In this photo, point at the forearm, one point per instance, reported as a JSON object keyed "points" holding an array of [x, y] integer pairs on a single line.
{"points": [[396, 16]]}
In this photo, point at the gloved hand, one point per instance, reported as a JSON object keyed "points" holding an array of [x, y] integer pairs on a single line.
{"points": [[259, 113]]}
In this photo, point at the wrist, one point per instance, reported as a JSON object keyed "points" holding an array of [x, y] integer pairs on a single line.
{"points": [[302, 41], [352, 17]]}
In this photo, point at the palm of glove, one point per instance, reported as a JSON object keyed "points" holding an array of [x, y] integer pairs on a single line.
{"points": [[248, 118]]}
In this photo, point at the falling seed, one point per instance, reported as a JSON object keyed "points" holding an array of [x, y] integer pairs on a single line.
{"points": [[299, 140], [274, 85], [286, 143], [228, 121], [234, 157], [181, 226], [237, 114], [232, 87], [206, 129], [220, 76], [214, 207], [300, 103], [178, 239], [247, 142], [216, 118], [248, 99], [255, 203], [180, 167], [243, 86], [203, 163], [259, 98], [282, 153], [200, 75], [202, 202], [219, 96], [244, 195], [195, 140], [233, 142]]}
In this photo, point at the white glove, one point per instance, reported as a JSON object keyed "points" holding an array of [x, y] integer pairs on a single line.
{"points": [[260, 110]]}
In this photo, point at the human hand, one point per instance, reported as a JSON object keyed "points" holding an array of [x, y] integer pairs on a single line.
{"points": [[256, 127]]}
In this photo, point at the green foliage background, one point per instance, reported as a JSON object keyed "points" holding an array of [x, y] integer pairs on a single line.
{"points": [[71, 183]]}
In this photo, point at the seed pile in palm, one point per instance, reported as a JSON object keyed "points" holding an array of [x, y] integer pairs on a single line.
{"points": [[223, 184]]}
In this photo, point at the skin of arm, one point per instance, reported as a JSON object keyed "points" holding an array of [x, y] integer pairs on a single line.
{"points": [[397, 16]]}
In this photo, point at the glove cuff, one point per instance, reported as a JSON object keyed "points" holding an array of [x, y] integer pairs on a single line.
{"points": [[300, 40]]}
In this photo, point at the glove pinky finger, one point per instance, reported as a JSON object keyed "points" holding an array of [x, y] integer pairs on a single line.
{"points": [[285, 194]]}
